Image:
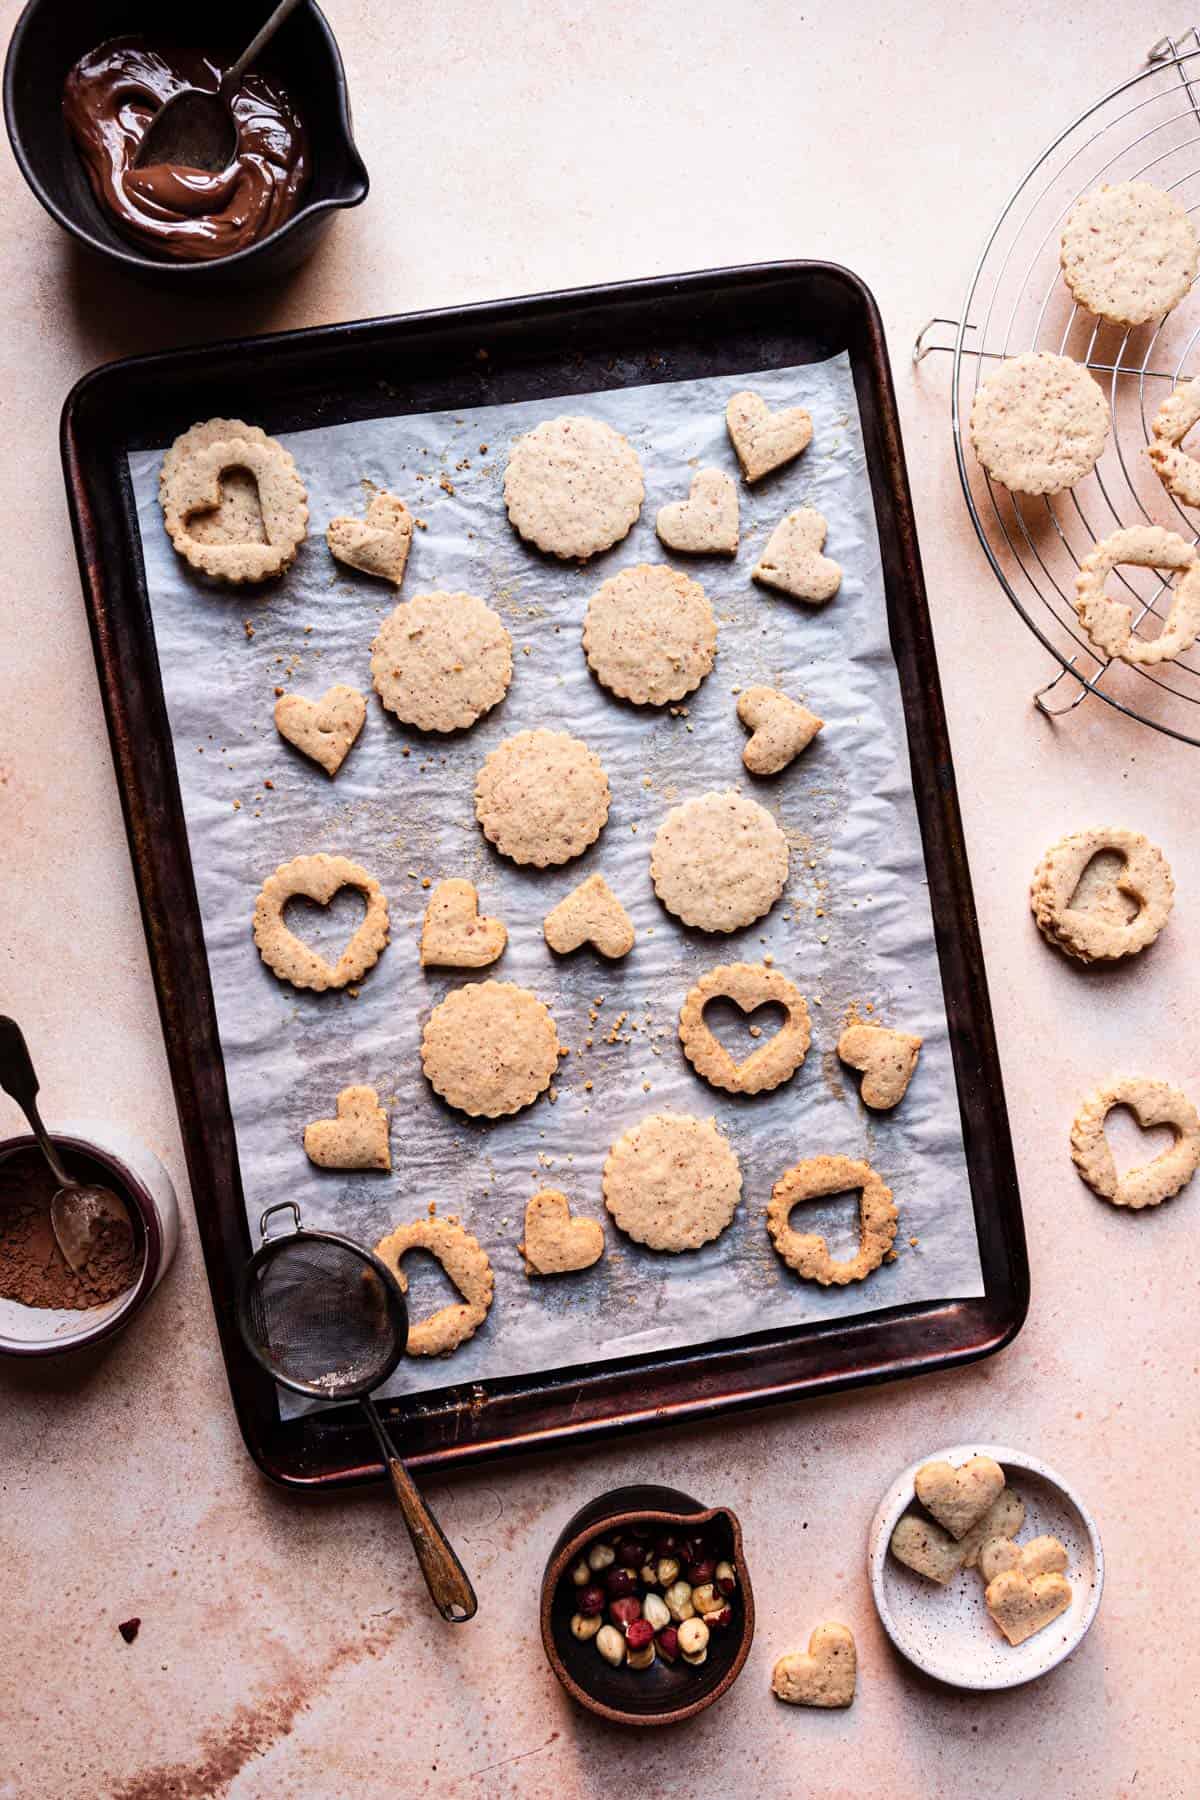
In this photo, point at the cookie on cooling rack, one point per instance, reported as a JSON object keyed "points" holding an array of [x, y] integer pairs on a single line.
{"points": [[1039, 423], [1128, 252]]}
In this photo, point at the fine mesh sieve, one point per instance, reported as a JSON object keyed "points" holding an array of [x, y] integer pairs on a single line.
{"points": [[326, 1318]]}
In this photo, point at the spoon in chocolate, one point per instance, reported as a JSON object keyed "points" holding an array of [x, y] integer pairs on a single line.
{"points": [[78, 1210], [195, 129]]}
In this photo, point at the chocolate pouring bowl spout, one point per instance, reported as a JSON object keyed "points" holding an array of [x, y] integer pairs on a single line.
{"points": [[79, 1214], [196, 129]]}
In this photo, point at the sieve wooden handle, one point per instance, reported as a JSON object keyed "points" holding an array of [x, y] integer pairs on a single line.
{"points": [[448, 1583]]}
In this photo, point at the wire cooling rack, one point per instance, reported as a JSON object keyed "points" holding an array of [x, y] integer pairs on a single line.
{"points": [[1147, 128]]}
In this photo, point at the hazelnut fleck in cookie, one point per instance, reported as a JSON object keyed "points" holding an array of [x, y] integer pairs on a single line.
{"points": [[490, 1048], [465, 1262], [719, 861], [542, 797], [441, 661], [1128, 252], [807, 1252], [1108, 622], [1152, 1103], [380, 543], [1102, 933], [1039, 423], [749, 985], [233, 502], [672, 1182], [650, 635], [573, 486], [318, 878]]}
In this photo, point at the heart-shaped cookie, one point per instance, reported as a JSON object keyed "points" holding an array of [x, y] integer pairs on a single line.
{"points": [[378, 544], [822, 1675], [356, 1139], [454, 935], [886, 1058], [590, 914], [706, 523], [765, 440], [926, 1549], [1021, 1605], [1003, 1518], [748, 985], [318, 878], [958, 1498], [324, 729], [555, 1243], [792, 562], [1152, 1103], [781, 729], [1040, 1556], [192, 485]]}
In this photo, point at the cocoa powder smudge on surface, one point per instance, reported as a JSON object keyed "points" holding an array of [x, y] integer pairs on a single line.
{"points": [[33, 1269]]}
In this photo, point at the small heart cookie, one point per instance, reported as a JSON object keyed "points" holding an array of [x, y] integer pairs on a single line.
{"points": [[323, 729], [706, 523], [356, 1139], [958, 1498], [590, 914], [886, 1059], [792, 562], [782, 728], [765, 440], [926, 1549], [555, 1243], [1003, 1518], [1021, 1605], [1040, 1556], [378, 544], [454, 936], [822, 1675]]}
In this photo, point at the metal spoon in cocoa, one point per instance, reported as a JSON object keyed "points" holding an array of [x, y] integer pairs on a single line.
{"points": [[195, 128], [79, 1210]]}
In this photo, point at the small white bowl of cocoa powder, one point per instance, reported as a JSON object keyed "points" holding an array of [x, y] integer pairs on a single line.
{"points": [[46, 1307]]}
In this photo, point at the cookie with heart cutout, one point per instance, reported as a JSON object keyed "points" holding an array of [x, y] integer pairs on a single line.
{"points": [[440, 661], [1022, 1604], [490, 1049], [356, 1139], [781, 729], [885, 1058], [454, 934], [719, 861], [1040, 1556], [748, 985], [1152, 1103], [1176, 468], [1102, 932], [650, 634], [1108, 622], [792, 562], [380, 543], [706, 523], [465, 1261], [233, 502], [807, 1252], [1039, 424], [765, 440], [959, 1498], [672, 1182], [318, 878], [556, 1241], [325, 729], [573, 487], [823, 1675], [590, 914]]}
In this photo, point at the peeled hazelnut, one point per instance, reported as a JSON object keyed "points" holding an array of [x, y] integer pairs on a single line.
{"points": [[701, 1571], [580, 1573], [649, 1574], [679, 1601], [619, 1581], [625, 1611], [601, 1556], [611, 1645], [591, 1600], [705, 1598], [693, 1640], [668, 1570], [668, 1643], [654, 1608], [726, 1577], [584, 1628], [719, 1621]]}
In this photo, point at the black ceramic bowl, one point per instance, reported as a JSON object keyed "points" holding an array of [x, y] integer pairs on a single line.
{"points": [[51, 35], [665, 1693]]}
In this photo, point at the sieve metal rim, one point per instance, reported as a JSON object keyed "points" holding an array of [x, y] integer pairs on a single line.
{"points": [[397, 1308]]}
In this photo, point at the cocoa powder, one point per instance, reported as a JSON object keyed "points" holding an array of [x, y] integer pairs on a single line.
{"points": [[33, 1270]]}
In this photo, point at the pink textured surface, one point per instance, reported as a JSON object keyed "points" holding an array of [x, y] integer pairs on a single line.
{"points": [[288, 1650]]}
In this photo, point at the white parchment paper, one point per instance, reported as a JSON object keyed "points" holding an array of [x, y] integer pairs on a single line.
{"points": [[854, 925]]}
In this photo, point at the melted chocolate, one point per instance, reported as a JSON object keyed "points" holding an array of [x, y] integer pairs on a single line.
{"points": [[109, 99]]}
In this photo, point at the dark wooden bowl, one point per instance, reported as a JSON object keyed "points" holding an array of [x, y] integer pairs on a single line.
{"points": [[665, 1693]]}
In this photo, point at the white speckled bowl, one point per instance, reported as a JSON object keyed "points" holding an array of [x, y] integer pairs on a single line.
{"points": [[946, 1630]]}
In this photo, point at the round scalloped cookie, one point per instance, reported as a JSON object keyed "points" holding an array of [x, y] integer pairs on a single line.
{"points": [[1128, 252], [719, 861], [542, 797], [1039, 424], [490, 1048], [573, 487], [440, 661], [650, 635]]}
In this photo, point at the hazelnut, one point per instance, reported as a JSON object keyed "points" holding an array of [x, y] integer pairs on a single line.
{"points": [[629, 1553], [619, 1581], [624, 1611], [666, 1543], [591, 1600], [702, 1571], [668, 1570], [580, 1573], [649, 1574], [693, 1640], [583, 1627], [611, 1645], [668, 1643], [654, 1608], [719, 1621], [601, 1556], [640, 1633], [679, 1601], [705, 1598], [726, 1577]]}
